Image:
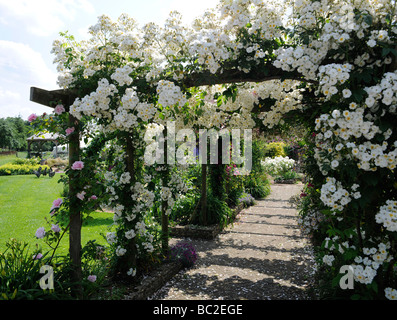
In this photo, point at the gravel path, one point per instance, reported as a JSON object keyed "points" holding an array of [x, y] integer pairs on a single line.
{"points": [[261, 257]]}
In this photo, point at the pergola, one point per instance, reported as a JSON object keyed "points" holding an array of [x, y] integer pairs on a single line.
{"points": [[41, 138], [67, 97]]}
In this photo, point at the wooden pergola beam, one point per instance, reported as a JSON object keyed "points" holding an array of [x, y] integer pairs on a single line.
{"points": [[230, 76], [49, 98]]}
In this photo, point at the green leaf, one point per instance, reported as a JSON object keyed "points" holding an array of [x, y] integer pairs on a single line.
{"points": [[336, 280], [385, 125], [374, 286], [372, 179], [385, 51], [368, 19], [358, 95], [356, 297]]}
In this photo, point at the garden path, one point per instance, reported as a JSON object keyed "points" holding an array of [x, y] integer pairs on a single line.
{"points": [[261, 257]]}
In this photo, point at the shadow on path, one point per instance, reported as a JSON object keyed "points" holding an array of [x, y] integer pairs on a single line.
{"points": [[261, 257]]}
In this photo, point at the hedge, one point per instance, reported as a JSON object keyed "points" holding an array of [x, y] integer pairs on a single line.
{"points": [[20, 169]]}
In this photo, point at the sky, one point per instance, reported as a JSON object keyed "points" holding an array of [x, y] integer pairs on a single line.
{"points": [[28, 28]]}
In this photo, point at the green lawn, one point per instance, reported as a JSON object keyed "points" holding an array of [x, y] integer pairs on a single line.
{"points": [[25, 202], [9, 158]]}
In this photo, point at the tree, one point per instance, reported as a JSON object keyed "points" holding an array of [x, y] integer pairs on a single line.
{"points": [[13, 133], [21, 129], [7, 135]]}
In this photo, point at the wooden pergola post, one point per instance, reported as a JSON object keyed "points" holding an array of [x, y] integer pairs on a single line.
{"points": [[48, 98], [164, 203], [130, 164], [74, 209]]}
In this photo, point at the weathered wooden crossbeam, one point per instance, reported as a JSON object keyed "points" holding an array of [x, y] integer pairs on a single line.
{"points": [[233, 76], [50, 98]]}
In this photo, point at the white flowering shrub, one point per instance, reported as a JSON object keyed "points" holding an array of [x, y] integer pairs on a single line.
{"points": [[330, 65], [310, 222], [278, 165], [387, 215]]}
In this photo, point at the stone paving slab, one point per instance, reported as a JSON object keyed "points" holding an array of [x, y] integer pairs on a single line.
{"points": [[262, 256]]}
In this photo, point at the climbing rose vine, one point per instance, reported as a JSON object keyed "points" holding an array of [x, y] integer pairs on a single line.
{"points": [[330, 65]]}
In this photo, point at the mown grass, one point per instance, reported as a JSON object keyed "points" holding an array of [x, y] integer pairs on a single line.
{"points": [[9, 158], [25, 202]]}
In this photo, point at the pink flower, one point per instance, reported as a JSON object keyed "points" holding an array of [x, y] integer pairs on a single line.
{"points": [[56, 204], [40, 233], [59, 109], [78, 165], [69, 130], [81, 195], [32, 117], [91, 278], [93, 197], [37, 256], [55, 228]]}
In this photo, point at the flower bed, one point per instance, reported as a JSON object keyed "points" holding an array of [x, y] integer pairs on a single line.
{"points": [[18, 169]]}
